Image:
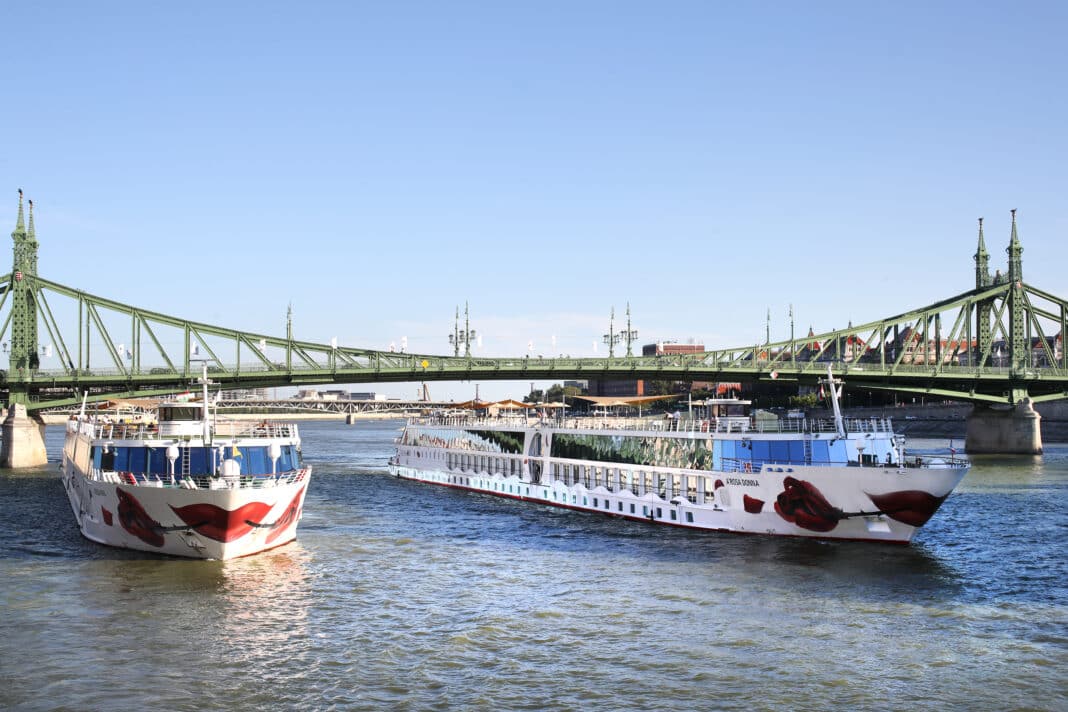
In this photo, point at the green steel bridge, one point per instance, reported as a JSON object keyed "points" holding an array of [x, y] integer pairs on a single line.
{"points": [[999, 342]]}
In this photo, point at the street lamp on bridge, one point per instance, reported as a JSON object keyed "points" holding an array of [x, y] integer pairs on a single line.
{"points": [[627, 336], [612, 338], [462, 336]]}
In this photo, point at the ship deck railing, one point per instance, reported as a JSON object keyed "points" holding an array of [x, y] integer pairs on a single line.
{"points": [[740, 465], [100, 430], [682, 424], [193, 482]]}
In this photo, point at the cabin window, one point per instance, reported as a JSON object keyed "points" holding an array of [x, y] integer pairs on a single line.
{"points": [[157, 461], [255, 461], [659, 513], [179, 413], [130, 459], [673, 515], [689, 517], [595, 502], [105, 460], [632, 508]]}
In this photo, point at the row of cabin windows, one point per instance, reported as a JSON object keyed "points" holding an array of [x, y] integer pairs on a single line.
{"points": [[562, 497], [616, 479], [193, 460], [472, 462]]}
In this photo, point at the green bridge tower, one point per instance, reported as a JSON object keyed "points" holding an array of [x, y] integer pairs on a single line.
{"points": [[23, 436], [1016, 429]]}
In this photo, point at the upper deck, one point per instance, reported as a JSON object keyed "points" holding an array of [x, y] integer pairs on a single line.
{"points": [[732, 425], [100, 429]]}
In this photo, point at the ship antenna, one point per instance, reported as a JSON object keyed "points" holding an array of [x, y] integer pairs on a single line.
{"points": [[839, 425], [204, 382]]}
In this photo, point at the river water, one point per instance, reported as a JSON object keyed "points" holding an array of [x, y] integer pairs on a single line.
{"points": [[405, 596]]}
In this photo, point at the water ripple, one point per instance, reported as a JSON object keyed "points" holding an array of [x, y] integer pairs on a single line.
{"points": [[410, 597]]}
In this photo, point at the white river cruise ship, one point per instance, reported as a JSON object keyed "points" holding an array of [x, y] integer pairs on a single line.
{"points": [[836, 478], [188, 485]]}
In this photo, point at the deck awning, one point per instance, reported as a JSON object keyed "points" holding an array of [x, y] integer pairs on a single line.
{"points": [[507, 404], [129, 403], [625, 401]]}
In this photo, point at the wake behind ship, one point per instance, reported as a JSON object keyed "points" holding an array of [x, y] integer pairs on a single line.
{"points": [[841, 478]]}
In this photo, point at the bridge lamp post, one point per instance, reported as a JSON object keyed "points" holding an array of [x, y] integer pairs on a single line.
{"points": [[628, 335], [462, 336], [612, 338]]}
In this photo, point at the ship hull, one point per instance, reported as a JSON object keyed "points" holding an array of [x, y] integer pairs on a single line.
{"points": [[201, 524], [748, 507]]}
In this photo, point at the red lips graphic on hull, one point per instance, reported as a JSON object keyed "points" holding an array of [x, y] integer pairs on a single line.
{"points": [[752, 504], [913, 507], [802, 504], [287, 518], [222, 524], [135, 519]]}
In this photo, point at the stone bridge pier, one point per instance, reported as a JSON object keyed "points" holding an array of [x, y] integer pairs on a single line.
{"points": [[1008, 430], [23, 439]]}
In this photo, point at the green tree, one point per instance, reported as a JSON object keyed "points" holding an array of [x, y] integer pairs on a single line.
{"points": [[808, 400], [661, 388], [553, 394]]}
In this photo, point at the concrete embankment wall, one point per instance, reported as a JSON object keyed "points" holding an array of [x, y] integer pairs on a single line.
{"points": [[950, 421]]}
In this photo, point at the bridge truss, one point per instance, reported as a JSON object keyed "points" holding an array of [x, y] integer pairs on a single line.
{"points": [[997, 343]]}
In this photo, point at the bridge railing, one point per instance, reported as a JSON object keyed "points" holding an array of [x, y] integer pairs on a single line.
{"points": [[645, 365]]}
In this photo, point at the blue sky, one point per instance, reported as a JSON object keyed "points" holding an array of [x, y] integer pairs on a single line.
{"points": [[377, 164]]}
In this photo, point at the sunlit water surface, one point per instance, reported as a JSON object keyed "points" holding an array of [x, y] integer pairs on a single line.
{"points": [[405, 596]]}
